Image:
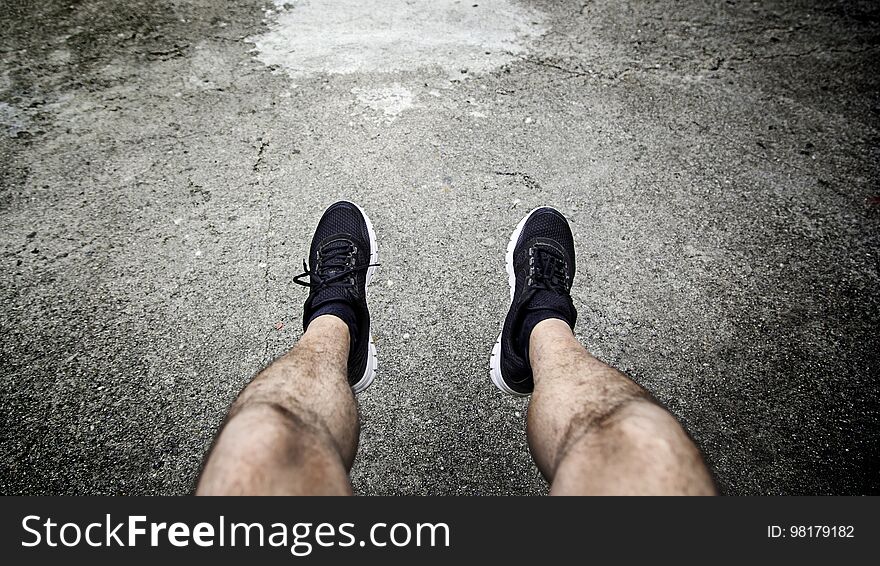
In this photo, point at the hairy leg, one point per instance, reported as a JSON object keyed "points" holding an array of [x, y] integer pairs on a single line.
{"points": [[294, 429], [592, 430]]}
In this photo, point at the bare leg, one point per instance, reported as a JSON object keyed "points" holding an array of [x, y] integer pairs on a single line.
{"points": [[592, 430], [294, 428]]}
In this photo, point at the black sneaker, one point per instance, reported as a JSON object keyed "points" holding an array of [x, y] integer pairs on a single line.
{"points": [[540, 269], [343, 260]]}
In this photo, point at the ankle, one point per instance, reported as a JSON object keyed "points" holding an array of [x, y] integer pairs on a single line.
{"points": [[329, 323], [550, 333], [339, 310], [325, 343]]}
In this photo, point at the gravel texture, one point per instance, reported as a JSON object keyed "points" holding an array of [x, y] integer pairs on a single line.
{"points": [[159, 182]]}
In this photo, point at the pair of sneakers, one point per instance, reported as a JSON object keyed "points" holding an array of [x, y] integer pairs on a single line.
{"points": [[540, 267]]}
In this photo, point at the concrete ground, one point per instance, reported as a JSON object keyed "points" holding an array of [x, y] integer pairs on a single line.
{"points": [[163, 163]]}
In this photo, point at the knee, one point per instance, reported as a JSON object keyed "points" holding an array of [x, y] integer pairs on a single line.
{"points": [[265, 448], [254, 408], [647, 437], [637, 426], [263, 434], [268, 422], [646, 426]]}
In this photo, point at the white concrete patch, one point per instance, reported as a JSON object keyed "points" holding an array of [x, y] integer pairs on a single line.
{"points": [[13, 120], [391, 100], [59, 57], [388, 36]]}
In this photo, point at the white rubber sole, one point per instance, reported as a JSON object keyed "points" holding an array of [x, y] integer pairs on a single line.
{"points": [[495, 359], [372, 363]]}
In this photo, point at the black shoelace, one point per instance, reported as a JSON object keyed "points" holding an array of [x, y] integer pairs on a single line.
{"points": [[547, 270], [334, 269]]}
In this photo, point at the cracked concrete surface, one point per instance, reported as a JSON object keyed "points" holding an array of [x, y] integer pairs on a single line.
{"points": [[159, 184]]}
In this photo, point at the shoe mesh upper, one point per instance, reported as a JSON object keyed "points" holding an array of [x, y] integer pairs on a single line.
{"points": [[343, 220], [545, 227]]}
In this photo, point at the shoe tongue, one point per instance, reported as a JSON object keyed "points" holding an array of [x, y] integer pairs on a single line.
{"points": [[331, 292], [543, 299], [338, 247], [334, 255], [330, 268], [549, 252], [329, 295], [548, 298]]}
